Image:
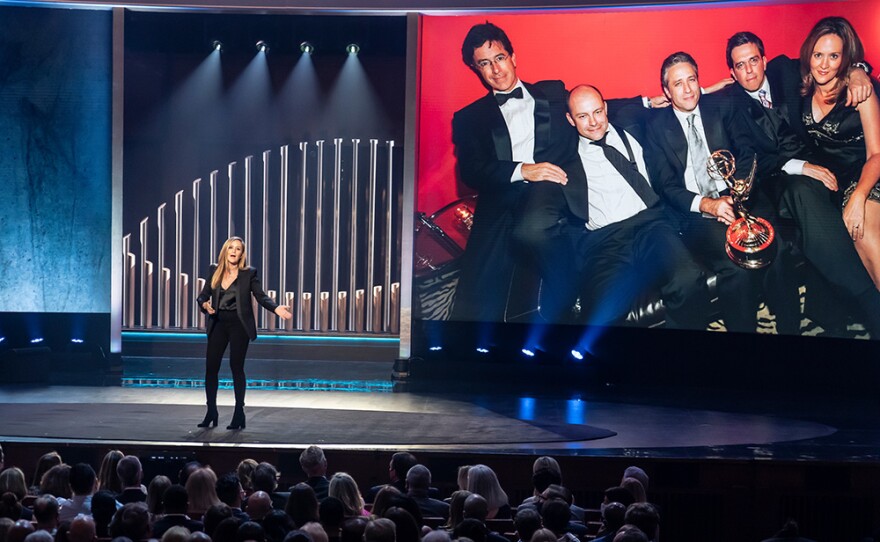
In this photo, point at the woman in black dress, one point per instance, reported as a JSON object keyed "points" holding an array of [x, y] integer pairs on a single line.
{"points": [[226, 299], [845, 139]]}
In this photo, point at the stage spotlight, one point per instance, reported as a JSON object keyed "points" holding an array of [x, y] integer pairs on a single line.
{"points": [[529, 353], [577, 354], [216, 45], [37, 340], [435, 348], [352, 48], [307, 48], [77, 341], [262, 46], [2, 339], [482, 350]]}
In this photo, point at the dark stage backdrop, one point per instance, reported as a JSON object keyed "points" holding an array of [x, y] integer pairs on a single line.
{"points": [[55, 83], [619, 50]]}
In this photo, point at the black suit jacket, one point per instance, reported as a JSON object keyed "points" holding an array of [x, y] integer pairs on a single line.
{"points": [[485, 163], [247, 285], [725, 128], [773, 132]]}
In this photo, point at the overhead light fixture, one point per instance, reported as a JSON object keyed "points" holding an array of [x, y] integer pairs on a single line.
{"points": [[307, 48], [262, 46], [217, 45], [577, 354], [352, 48], [528, 352]]}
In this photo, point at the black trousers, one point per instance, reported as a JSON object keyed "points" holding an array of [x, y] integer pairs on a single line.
{"points": [[228, 331]]}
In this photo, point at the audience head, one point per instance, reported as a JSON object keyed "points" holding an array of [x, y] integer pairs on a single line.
{"points": [[214, 516], [630, 533], [680, 78], [315, 531], [547, 462], [544, 478], [302, 504], [82, 479], [475, 507], [613, 516], [251, 530], [635, 488], [638, 474], [39, 536], [405, 527], [645, 516], [19, 531], [331, 514], [344, 488], [130, 471], [245, 472], [298, 535], [831, 47], [543, 535], [400, 464], [526, 521], [103, 510], [276, 525], [418, 479], [10, 507], [462, 477], [108, 478], [380, 530], [178, 533], [385, 499], [5, 525], [46, 511], [456, 506], [12, 481], [556, 514], [265, 478], [155, 492], [259, 505], [186, 470], [46, 462], [56, 482], [198, 536], [82, 529], [353, 529], [201, 488], [618, 494], [482, 481], [175, 500], [437, 535], [313, 462], [229, 490], [554, 491], [132, 521], [471, 528], [226, 530]]}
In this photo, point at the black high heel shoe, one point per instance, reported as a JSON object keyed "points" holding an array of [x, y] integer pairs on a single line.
{"points": [[237, 421], [210, 419]]}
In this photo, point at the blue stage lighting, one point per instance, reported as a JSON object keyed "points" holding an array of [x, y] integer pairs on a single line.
{"points": [[262, 46], [217, 45], [483, 350], [529, 353], [352, 48], [2, 339], [435, 348], [77, 341], [307, 48], [577, 354], [37, 340]]}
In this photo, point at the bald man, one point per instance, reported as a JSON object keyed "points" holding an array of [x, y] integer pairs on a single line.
{"points": [[624, 246], [259, 505]]}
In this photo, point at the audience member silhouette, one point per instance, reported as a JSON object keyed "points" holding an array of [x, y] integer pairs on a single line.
{"points": [[314, 465], [302, 505]]}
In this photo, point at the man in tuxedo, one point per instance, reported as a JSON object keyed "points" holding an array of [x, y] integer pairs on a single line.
{"points": [[805, 192], [682, 138], [515, 135], [624, 246]]}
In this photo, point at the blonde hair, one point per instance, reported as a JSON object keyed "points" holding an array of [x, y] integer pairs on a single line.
{"points": [[217, 277], [201, 487], [344, 488]]}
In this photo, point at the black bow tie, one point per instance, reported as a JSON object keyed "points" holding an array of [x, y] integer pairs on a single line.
{"points": [[515, 93]]}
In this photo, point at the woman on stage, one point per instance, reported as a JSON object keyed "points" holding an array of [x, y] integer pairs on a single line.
{"points": [[226, 299]]}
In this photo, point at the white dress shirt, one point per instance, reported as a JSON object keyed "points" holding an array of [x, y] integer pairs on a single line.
{"points": [[793, 166], [611, 198], [690, 178], [519, 115]]}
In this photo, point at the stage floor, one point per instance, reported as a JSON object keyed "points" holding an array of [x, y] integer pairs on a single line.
{"points": [[606, 424]]}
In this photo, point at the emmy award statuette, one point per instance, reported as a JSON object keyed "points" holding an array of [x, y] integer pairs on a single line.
{"points": [[750, 239]]}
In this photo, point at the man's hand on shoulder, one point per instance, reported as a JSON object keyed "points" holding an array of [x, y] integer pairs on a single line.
{"points": [[545, 171], [721, 208], [858, 86], [821, 174]]}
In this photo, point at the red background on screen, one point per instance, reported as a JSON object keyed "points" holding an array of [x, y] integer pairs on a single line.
{"points": [[618, 50]]}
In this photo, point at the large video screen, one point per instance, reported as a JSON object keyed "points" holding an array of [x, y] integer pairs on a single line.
{"points": [[491, 246]]}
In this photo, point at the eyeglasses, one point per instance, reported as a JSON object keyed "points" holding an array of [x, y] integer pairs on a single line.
{"points": [[485, 63], [751, 62]]}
